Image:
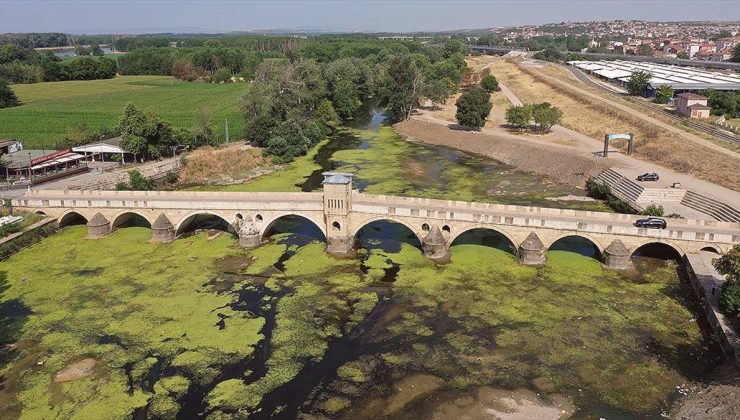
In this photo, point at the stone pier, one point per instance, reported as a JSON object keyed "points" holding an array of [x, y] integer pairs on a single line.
{"points": [[434, 245], [617, 256], [532, 251], [162, 230], [98, 227]]}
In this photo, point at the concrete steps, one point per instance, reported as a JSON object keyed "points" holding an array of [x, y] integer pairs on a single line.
{"points": [[717, 209], [622, 187]]}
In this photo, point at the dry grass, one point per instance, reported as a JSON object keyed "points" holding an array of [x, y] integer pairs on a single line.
{"points": [[593, 118], [222, 165]]}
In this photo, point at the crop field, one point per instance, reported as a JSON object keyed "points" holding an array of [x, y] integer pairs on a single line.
{"points": [[49, 109]]}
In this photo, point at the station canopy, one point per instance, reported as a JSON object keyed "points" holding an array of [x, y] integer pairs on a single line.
{"points": [[112, 146], [59, 160]]}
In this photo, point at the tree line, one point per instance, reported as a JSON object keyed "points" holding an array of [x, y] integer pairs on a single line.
{"points": [[26, 65]]}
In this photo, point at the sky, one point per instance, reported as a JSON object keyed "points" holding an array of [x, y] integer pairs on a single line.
{"points": [[114, 16]]}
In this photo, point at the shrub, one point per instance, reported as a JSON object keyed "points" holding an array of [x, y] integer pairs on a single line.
{"points": [[597, 189], [729, 264], [519, 116], [490, 84], [729, 298], [654, 210]]}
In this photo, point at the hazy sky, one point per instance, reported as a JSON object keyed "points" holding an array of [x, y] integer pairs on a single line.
{"points": [[364, 15]]}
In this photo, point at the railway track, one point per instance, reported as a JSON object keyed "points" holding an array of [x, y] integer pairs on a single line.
{"points": [[705, 128]]}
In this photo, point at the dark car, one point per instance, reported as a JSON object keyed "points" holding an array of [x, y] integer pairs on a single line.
{"points": [[650, 176], [651, 222]]}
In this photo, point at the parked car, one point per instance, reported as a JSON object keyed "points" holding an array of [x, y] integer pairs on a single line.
{"points": [[651, 222], [650, 176]]}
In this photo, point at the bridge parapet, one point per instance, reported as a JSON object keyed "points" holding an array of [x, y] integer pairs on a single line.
{"points": [[340, 212]]}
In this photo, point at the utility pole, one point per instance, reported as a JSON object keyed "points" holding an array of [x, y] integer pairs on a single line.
{"points": [[227, 130]]}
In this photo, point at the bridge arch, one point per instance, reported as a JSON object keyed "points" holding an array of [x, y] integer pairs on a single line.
{"points": [[126, 217], [266, 225], [579, 236], [186, 222], [71, 217], [645, 246], [502, 233], [415, 231], [712, 248]]}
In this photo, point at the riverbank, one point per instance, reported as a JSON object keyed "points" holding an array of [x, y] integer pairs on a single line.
{"points": [[540, 158]]}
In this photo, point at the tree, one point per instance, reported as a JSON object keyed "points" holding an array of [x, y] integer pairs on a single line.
{"points": [[473, 108], [729, 298], [437, 91], [545, 116], [137, 182], [729, 264], [144, 134], [7, 96], [646, 50], [664, 94], [683, 55], [326, 114], [96, 50], [638, 82], [518, 116], [454, 46], [202, 134], [736, 54], [403, 84], [490, 84]]}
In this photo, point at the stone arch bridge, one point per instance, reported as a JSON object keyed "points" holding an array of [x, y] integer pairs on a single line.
{"points": [[340, 212]]}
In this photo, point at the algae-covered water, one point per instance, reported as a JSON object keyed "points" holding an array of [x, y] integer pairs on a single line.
{"points": [[384, 163], [121, 328], [201, 327]]}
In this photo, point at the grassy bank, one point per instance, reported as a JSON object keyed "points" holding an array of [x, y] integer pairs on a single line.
{"points": [[49, 109]]}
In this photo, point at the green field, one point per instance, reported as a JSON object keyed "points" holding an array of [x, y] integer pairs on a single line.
{"points": [[50, 108]]}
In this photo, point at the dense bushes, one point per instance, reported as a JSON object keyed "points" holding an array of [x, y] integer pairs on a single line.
{"points": [[601, 191], [7, 96], [152, 61], [723, 103], [543, 114], [20, 65]]}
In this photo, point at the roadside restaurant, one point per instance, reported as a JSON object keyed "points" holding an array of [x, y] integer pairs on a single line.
{"points": [[36, 166]]}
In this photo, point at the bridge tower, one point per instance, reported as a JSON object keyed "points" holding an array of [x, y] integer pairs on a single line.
{"points": [[337, 205]]}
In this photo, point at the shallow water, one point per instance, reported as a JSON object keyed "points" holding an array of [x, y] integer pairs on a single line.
{"points": [[383, 163]]}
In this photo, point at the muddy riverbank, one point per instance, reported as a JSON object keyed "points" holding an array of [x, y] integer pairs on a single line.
{"points": [[541, 159]]}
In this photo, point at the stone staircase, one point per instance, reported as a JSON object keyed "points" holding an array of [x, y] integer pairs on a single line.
{"points": [[622, 187], [717, 209], [640, 197]]}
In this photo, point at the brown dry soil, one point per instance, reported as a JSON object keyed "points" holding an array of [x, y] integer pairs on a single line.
{"points": [[720, 400], [76, 370], [569, 169]]}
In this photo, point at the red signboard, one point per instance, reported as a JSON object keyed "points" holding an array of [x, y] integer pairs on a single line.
{"points": [[49, 157]]}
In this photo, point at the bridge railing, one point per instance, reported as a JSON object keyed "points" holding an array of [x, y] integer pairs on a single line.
{"points": [[452, 206], [119, 195]]}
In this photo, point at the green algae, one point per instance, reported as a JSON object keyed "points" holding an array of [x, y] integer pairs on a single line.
{"points": [[603, 338], [384, 163], [147, 301]]}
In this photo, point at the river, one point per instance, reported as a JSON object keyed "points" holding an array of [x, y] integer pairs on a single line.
{"points": [[201, 327]]}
